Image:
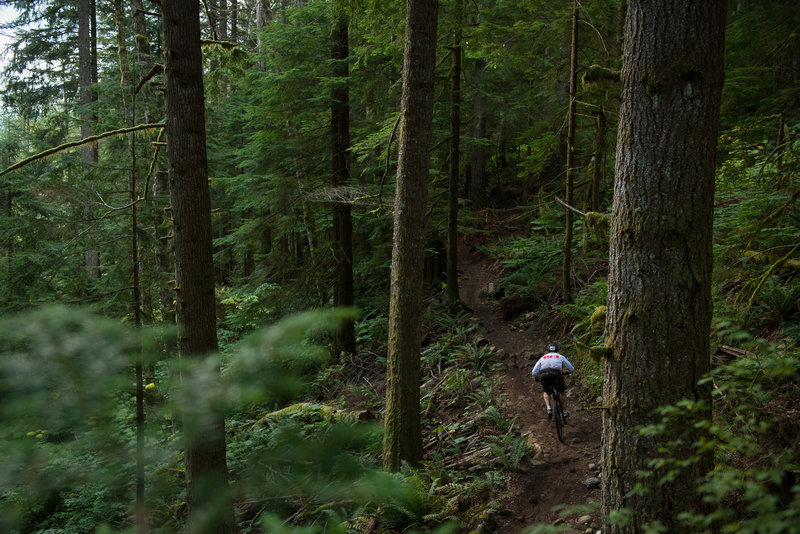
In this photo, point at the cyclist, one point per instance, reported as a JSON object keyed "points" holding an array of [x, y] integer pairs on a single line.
{"points": [[550, 370]]}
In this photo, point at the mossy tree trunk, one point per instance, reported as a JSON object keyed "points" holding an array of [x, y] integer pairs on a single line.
{"points": [[345, 339], [206, 468], [573, 87], [403, 434], [659, 304]]}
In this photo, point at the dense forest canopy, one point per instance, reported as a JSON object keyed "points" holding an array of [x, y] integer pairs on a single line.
{"points": [[355, 149]]}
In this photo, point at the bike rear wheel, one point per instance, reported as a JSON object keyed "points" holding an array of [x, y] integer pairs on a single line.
{"points": [[558, 416]]}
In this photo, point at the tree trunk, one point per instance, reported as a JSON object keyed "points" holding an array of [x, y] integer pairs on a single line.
{"points": [[141, 40], [478, 159], [599, 152], [455, 157], [659, 303], [9, 274], [223, 20], [86, 78], [573, 85], [162, 248], [87, 74], [345, 339], [122, 50], [234, 21], [403, 433], [206, 469], [140, 516]]}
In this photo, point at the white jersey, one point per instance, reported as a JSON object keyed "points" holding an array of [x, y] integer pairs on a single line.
{"points": [[552, 360]]}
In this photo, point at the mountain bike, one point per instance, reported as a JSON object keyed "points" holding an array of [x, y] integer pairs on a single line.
{"points": [[558, 411]]}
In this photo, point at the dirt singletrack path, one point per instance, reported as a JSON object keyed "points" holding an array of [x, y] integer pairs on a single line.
{"points": [[554, 473]]}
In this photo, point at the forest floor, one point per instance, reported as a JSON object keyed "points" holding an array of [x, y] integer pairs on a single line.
{"points": [[554, 474]]}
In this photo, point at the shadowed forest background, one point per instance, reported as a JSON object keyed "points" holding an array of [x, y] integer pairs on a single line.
{"points": [[107, 399]]}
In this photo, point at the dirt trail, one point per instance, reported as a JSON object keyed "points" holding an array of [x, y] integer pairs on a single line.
{"points": [[531, 494]]}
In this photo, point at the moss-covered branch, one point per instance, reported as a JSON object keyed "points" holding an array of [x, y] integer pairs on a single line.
{"points": [[76, 144], [760, 282], [595, 74]]}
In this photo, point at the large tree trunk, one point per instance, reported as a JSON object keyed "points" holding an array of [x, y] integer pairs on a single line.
{"points": [[573, 87], [206, 468], [345, 339], [455, 157], [659, 304], [403, 433]]}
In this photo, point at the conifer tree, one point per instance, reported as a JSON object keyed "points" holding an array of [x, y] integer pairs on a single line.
{"points": [[345, 339], [659, 289], [403, 434], [206, 467]]}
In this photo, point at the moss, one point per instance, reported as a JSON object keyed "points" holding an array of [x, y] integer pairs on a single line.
{"points": [[597, 223], [598, 316], [599, 352], [596, 74]]}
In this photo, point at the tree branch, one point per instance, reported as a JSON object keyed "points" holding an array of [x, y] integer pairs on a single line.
{"points": [[75, 144], [575, 210]]}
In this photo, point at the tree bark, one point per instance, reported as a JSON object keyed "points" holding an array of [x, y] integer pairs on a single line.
{"points": [[455, 157], [573, 85], [345, 338], [403, 435], [659, 304], [206, 469], [141, 40]]}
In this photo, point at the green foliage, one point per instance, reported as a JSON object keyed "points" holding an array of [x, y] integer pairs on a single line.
{"points": [[243, 310], [67, 415], [753, 437], [511, 449], [529, 263], [65, 456]]}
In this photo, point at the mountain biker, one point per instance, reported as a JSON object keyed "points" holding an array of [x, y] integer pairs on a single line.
{"points": [[550, 370]]}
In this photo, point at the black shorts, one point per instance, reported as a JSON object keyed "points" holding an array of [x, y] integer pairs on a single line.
{"points": [[552, 378]]}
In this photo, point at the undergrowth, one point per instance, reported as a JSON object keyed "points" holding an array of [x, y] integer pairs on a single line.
{"points": [[303, 442]]}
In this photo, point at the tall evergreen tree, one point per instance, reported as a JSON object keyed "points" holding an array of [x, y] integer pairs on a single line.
{"points": [[403, 434], [206, 467], [573, 104], [87, 69], [345, 340], [659, 302], [455, 154]]}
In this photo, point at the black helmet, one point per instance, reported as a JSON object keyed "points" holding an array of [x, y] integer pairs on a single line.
{"points": [[552, 347]]}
